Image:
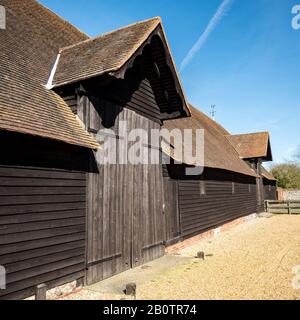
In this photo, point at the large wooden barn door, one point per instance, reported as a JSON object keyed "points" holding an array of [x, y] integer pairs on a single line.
{"points": [[148, 220], [109, 222], [125, 217], [125, 224], [125, 220]]}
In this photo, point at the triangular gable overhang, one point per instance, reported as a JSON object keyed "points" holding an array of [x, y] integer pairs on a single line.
{"points": [[174, 111], [267, 156], [254, 154], [120, 73]]}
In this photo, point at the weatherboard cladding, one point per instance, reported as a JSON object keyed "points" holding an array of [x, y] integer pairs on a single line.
{"points": [[269, 184], [225, 191], [205, 202], [270, 190], [200, 212], [42, 213]]}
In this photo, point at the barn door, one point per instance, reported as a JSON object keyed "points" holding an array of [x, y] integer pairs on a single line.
{"points": [[109, 222], [148, 217], [125, 224]]}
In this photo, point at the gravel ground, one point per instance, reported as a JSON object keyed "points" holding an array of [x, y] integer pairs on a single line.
{"points": [[250, 261]]}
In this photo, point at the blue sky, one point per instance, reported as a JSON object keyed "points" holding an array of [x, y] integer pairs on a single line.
{"points": [[248, 66]]}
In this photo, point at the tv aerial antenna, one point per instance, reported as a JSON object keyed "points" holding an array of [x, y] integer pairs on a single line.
{"points": [[213, 112]]}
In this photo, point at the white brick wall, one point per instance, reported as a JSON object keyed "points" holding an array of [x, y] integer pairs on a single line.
{"points": [[291, 195]]}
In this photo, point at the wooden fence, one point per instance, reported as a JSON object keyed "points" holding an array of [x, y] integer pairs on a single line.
{"points": [[282, 207]]}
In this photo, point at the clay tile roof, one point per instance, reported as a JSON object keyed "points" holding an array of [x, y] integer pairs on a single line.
{"points": [[28, 46], [219, 153], [103, 54], [252, 145], [267, 174]]}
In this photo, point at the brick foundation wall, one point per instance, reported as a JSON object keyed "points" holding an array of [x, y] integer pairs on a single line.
{"points": [[208, 234]]}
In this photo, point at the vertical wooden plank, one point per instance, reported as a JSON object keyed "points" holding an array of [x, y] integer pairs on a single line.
{"points": [[171, 209]]}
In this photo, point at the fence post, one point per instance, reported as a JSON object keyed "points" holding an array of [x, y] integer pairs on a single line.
{"points": [[41, 292], [289, 207], [267, 206]]}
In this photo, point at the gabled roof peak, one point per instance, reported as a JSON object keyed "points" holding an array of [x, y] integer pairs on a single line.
{"points": [[252, 145], [251, 134], [103, 54], [114, 53], [155, 20]]}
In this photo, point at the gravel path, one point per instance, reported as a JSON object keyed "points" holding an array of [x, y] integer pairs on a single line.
{"points": [[250, 261]]}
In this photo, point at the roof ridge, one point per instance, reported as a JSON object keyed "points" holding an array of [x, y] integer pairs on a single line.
{"points": [[157, 18], [221, 154], [45, 8], [225, 137], [249, 134], [214, 121]]}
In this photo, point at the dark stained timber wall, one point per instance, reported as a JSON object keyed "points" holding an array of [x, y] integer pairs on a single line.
{"points": [[200, 212], [171, 211], [42, 214], [210, 201], [270, 190]]}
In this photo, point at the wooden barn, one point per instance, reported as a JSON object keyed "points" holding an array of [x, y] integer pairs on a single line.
{"points": [[63, 215], [66, 214], [44, 157], [136, 84], [255, 148], [225, 191], [234, 182]]}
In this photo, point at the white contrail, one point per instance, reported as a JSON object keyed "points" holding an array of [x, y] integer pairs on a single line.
{"points": [[220, 13]]}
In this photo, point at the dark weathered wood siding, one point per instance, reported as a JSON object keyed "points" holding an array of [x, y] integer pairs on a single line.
{"points": [[210, 201], [71, 101], [218, 205], [42, 214], [135, 94], [270, 190], [171, 211]]}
